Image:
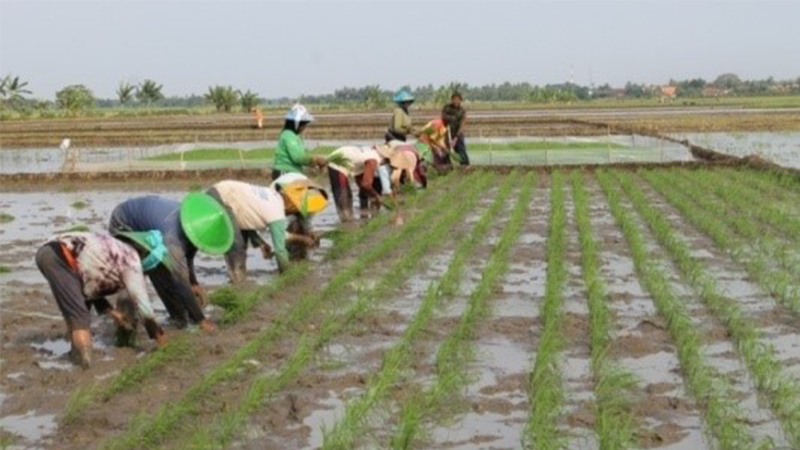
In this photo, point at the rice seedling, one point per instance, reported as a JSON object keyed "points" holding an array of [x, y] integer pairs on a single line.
{"points": [[456, 350], [755, 180], [340, 160], [715, 221], [80, 228], [545, 392], [6, 218], [149, 429], [612, 386], [748, 202], [712, 392], [781, 390], [80, 204], [228, 423], [5, 269]]}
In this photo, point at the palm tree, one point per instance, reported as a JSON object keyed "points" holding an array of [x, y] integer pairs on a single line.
{"points": [[224, 98], [12, 90], [248, 100], [149, 92], [125, 92]]}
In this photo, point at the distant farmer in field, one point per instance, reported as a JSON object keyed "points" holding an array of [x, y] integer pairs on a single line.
{"points": [[455, 117], [258, 114], [366, 167], [400, 126], [290, 154], [199, 222], [83, 268], [259, 208], [433, 142]]}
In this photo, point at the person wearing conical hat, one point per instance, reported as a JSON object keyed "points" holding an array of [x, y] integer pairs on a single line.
{"points": [[405, 162], [197, 223], [82, 269], [291, 155], [400, 126], [364, 167], [254, 209]]}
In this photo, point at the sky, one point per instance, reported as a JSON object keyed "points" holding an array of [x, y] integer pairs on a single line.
{"points": [[291, 48]]}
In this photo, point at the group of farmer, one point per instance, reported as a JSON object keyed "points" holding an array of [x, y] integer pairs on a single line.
{"points": [[160, 237]]}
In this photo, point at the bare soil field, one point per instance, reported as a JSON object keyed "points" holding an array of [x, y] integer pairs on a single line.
{"points": [[152, 130], [610, 308]]}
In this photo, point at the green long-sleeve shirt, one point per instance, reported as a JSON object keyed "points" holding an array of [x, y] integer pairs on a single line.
{"points": [[290, 154], [401, 122]]}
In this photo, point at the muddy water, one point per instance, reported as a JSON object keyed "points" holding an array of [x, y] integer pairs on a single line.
{"points": [[641, 344], [779, 147], [33, 326], [719, 352]]}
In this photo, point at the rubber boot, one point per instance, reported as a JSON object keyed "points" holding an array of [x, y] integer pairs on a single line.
{"points": [[82, 348]]}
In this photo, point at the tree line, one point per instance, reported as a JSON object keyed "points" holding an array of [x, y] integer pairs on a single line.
{"points": [[73, 99]]}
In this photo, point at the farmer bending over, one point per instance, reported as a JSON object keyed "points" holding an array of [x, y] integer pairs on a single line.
{"points": [[290, 154], [257, 208], [197, 223], [433, 141], [365, 166], [83, 268], [406, 164]]}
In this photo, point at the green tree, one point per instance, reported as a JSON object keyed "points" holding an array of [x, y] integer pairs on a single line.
{"points": [[12, 91], [728, 81], [375, 97], [224, 98], [248, 100], [149, 92], [75, 98], [125, 92]]}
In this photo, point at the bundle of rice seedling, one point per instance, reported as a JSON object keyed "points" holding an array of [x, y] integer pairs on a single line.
{"points": [[340, 160]]}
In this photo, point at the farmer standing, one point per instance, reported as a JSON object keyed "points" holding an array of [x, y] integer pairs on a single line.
{"points": [[400, 126], [290, 154], [83, 268], [199, 222], [255, 208], [364, 166], [455, 118]]}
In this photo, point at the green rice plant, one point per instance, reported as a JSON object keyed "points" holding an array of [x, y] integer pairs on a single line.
{"points": [[80, 228], [722, 226], [722, 415], [149, 429], [340, 160], [746, 201], [230, 422], [782, 391], [345, 432], [755, 180], [6, 218], [80, 204], [612, 386], [5, 269], [457, 350], [237, 305], [83, 397], [545, 392]]}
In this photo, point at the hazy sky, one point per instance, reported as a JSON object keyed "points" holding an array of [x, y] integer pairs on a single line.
{"points": [[291, 48]]}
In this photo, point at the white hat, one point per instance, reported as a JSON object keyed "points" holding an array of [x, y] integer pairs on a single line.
{"points": [[299, 113]]}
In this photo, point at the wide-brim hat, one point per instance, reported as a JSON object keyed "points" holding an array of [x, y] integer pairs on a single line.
{"points": [[152, 242], [403, 159], [304, 197], [206, 223], [384, 150]]}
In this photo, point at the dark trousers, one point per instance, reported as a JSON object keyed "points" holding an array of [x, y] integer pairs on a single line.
{"points": [[236, 257], [276, 174], [461, 148], [342, 194], [363, 196], [392, 135], [67, 288]]}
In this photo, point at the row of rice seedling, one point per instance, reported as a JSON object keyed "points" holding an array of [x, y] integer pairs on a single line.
{"points": [[150, 428], [754, 179], [714, 220], [788, 181], [614, 418], [456, 351], [748, 202], [236, 305], [545, 392], [782, 391], [231, 421], [345, 432], [712, 392]]}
